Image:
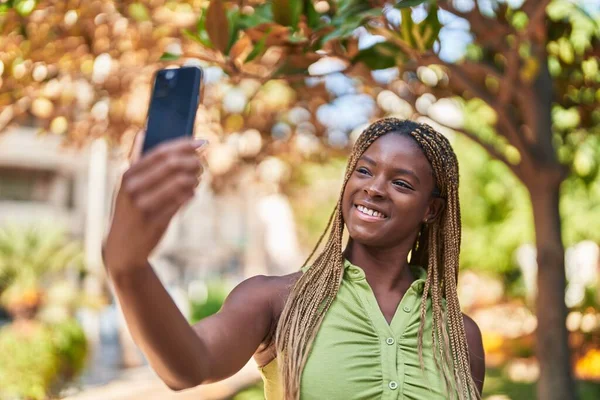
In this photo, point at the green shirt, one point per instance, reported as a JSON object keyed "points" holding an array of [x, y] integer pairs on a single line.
{"points": [[358, 355]]}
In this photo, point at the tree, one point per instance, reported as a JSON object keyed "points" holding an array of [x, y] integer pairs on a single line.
{"points": [[525, 60], [529, 65], [529, 85]]}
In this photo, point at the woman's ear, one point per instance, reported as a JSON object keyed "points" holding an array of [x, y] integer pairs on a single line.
{"points": [[436, 206]]}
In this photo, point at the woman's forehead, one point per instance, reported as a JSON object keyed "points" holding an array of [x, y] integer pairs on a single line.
{"points": [[396, 148]]}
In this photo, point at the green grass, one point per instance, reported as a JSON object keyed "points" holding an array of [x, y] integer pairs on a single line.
{"points": [[254, 392]]}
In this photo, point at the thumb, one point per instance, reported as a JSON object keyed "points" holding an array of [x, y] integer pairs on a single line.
{"points": [[138, 145]]}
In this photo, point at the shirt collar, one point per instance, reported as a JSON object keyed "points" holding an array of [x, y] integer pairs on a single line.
{"points": [[420, 274]]}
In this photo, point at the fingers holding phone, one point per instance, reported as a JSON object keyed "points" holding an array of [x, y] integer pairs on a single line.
{"points": [[152, 190], [164, 173]]}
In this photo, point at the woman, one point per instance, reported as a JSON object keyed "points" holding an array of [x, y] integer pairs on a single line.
{"points": [[362, 322]]}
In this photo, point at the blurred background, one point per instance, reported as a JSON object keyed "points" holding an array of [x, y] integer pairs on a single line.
{"points": [[288, 87]]}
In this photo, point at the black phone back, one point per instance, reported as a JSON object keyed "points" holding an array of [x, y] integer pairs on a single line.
{"points": [[172, 111]]}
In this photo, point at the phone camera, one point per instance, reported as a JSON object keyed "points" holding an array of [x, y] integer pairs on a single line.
{"points": [[169, 74]]}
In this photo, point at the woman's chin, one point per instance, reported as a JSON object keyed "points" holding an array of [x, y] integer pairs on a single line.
{"points": [[372, 239]]}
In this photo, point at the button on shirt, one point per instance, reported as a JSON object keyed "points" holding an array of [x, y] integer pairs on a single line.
{"points": [[358, 355]]}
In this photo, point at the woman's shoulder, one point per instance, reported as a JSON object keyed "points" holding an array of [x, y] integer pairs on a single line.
{"points": [[476, 351], [270, 286], [276, 289], [268, 291]]}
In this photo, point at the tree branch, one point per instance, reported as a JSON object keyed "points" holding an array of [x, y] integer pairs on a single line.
{"points": [[432, 58], [461, 78], [480, 70], [232, 70], [463, 83], [511, 74], [536, 11], [492, 151]]}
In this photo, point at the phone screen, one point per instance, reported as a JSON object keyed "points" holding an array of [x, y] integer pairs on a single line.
{"points": [[173, 105]]}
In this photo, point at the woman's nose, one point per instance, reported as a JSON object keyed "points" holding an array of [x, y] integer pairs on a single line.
{"points": [[375, 188]]}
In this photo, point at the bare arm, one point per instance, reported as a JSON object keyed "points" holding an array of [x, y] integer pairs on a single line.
{"points": [[185, 356], [476, 353], [152, 191]]}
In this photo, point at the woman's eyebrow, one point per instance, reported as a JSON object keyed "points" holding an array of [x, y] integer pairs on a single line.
{"points": [[398, 171]]}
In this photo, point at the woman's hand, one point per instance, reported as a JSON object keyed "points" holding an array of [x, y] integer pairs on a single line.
{"points": [[152, 190]]}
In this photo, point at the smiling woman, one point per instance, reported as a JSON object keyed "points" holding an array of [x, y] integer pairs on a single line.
{"points": [[360, 322], [400, 197]]}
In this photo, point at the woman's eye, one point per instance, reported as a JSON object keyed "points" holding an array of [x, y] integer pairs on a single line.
{"points": [[362, 170], [403, 184]]}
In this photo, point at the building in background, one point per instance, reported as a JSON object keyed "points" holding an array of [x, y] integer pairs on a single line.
{"points": [[40, 180], [243, 230]]}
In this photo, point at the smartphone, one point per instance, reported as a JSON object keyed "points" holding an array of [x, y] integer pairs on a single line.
{"points": [[173, 104]]}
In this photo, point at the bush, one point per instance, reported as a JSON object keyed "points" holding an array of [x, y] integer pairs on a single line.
{"points": [[30, 258], [36, 359]]}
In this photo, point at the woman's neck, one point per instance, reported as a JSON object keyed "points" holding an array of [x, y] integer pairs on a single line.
{"points": [[386, 269]]}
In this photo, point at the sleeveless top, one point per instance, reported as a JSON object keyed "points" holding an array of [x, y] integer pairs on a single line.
{"points": [[358, 355]]}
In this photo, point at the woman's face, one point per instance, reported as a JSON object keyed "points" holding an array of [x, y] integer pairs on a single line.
{"points": [[389, 193]]}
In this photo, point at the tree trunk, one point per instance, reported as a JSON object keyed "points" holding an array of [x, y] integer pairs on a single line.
{"points": [[556, 379], [543, 175]]}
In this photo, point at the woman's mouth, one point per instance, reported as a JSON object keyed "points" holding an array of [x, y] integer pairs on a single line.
{"points": [[368, 214]]}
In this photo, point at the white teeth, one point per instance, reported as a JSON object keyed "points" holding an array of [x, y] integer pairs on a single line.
{"points": [[370, 212]]}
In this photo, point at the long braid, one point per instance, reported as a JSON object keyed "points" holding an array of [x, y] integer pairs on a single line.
{"points": [[437, 246]]}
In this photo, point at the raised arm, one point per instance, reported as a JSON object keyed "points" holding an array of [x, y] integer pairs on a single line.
{"points": [[215, 348], [152, 191]]}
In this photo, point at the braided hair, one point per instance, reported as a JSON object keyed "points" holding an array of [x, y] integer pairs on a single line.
{"points": [[436, 248]]}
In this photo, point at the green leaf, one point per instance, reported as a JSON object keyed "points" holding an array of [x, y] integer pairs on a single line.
{"points": [[261, 15], [258, 49], [589, 17], [297, 9], [379, 56], [431, 28], [341, 32], [409, 3], [139, 12], [169, 57], [474, 52], [520, 21], [24, 7], [351, 8], [559, 9], [312, 16], [346, 24], [201, 35], [287, 12], [197, 38], [4, 7], [590, 68], [233, 16], [406, 27]]}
